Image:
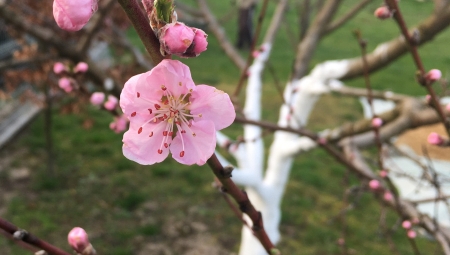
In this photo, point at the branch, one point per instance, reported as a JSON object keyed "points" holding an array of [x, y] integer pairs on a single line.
{"points": [[142, 26], [307, 46], [244, 203], [30, 239], [346, 17]]}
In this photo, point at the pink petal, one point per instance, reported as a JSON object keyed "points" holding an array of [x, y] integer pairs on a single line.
{"points": [[72, 15], [198, 148], [143, 149], [213, 105]]}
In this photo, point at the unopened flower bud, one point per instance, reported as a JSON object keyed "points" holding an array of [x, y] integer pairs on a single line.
{"points": [[406, 224], [387, 196], [175, 38], [433, 75], [377, 122], [72, 15], [111, 103], [119, 124], [374, 184], [59, 67], [411, 234], [383, 173], [97, 98], [64, 83], [255, 53], [78, 239], [200, 42], [383, 12], [435, 139], [81, 67]]}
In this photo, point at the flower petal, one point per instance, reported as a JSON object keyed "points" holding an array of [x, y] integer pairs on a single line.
{"points": [[198, 148], [142, 145], [173, 74], [213, 104], [73, 15]]}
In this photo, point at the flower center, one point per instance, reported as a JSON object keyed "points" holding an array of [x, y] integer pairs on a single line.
{"points": [[174, 113]]}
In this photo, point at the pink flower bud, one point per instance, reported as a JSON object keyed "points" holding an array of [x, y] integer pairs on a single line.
{"points": [[435, 139], [111, 103], [433, 75], [59, 67], [64, 83], [78, 239], [406, 224], [119, 124], [383, 12], [377, 122], [416, 221], [448, 107], [72, 15], [383, 173], [411, 234], [200, 42], [97, 98], [388, 196], [255, 53], [374, 184], [176, 38], [81, 67]]}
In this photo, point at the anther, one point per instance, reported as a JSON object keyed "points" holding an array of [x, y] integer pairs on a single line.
{"points": [[166, 145], [163, 87], [200, 115], [140, 130], [150, 110], [138, 94], [133, 114], [164, 133], [194, 135], [151, 134], [182, 154], [183, 131], [157, 106], [160, 151], [180, 84]]}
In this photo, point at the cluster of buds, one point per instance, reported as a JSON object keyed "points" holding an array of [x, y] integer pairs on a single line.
{"points": [[175, 37], [120, 123], [376, 186], [67, 81], [407, 225]]}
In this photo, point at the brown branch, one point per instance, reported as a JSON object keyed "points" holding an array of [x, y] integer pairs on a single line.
{"points": [[308, 45], [359, 92], [31, 239], [346, 17], [244, 203], [387, 52], [417, 60], [12, 63], [219, 33], [143, 29]]}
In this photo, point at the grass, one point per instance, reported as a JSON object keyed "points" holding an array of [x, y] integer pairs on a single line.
{"points": [[125, 206]]}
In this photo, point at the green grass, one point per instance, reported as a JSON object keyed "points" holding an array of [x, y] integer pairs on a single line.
{"points": [[125, 206]]}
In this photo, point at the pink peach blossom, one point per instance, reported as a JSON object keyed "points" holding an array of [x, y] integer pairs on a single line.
{"points": [[59, 67], [168, 112], [119, 124], [435, 139], [406, 224], [81, 67], [377, 122], [383, 12], [411, 234], [97, 98], [65, 84], [111, 103], [433, 75], [374, 184], [176, 37], [78, 239], [383, 173], [387, 196], [200, 42], [72, 15]]}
